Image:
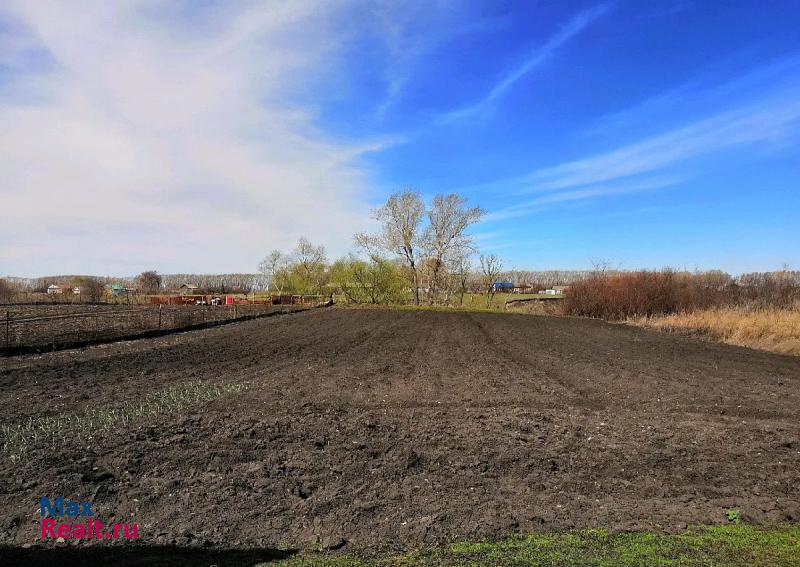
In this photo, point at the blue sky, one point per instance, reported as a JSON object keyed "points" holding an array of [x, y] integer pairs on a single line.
{"points": [[197, 136]]}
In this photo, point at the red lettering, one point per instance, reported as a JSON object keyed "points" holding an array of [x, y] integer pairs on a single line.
{"points": [[64, 530], [78, 531], [48, 528], [134, 533]]}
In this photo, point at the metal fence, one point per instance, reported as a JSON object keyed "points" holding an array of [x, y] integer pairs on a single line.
{"points": [[27, 331]]}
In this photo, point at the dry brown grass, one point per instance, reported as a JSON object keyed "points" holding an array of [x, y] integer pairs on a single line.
{"points": [[772, 329]]}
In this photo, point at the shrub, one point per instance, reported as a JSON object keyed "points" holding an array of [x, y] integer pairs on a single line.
{"points": [[7, 291], [647, 293], [639, 294]]}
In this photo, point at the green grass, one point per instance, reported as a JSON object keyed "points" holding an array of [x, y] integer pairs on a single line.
{"points": [[733, 545], [499, 300], [19, 439]]}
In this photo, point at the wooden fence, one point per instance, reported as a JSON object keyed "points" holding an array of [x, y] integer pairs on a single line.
{"points": [[37, 332]]}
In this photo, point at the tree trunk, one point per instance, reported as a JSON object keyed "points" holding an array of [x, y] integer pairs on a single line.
{"points": [[416, 282]]}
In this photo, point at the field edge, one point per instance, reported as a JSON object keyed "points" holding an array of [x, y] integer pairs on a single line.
{"points": [[729, 544]]}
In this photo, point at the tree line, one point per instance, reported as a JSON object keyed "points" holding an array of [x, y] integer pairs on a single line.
{"points": [[425, 253], [421, 253]]}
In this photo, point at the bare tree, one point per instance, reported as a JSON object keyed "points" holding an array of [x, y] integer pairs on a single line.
{"points": [[448, 220], [460, 270], [310, 262], [401, 217], [149, 281], [89, 288], [7, 291], [308, 254], [491, 266], [270, 266]]}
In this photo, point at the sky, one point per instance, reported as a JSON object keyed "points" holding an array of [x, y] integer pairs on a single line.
{"points": [[196, 136]]}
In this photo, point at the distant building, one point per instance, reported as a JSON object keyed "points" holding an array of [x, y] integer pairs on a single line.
{"points": [[504, 287], [54, 289], [190, 288], [117, 290], [555, 290]]}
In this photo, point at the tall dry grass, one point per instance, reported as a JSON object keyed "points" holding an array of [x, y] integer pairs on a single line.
{"points": [[773, 329]]}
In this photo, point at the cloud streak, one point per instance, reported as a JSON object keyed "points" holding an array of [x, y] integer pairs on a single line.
{"points": [[599, 190], [771, 119], [767, 120], [535, 59]]}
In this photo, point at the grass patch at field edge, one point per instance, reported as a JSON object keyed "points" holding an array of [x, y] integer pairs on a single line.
{"points": [[724, 545]]}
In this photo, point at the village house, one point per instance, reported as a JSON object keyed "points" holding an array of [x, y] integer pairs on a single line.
{"points": [[55, 289], [117, 290], [555, 290], [503, 287], [523, 288]]}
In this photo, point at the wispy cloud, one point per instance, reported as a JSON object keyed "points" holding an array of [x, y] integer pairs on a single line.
{"points": [[600, 190], [535, 59], [188, 121], [661, 160], [766, 120], [414, 31], [700, 94]]}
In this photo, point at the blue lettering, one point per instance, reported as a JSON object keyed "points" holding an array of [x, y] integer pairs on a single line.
{"points": [[53, 508]]}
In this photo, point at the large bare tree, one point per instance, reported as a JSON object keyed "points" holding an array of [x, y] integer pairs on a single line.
{"points": [[446, 233], [401, 218]]}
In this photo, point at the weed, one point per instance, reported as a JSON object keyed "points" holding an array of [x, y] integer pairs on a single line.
{"points": [[734, 516]]}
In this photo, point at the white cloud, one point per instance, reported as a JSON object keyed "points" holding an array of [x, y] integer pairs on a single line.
{"points": [[144, 140]]}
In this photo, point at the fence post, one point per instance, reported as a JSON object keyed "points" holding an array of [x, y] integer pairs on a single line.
{"points": [[159, 318], [234, 309], [8, 329]]}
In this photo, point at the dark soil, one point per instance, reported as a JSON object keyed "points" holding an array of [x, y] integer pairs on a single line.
{"points": [[404, 429], [47, 327]]}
